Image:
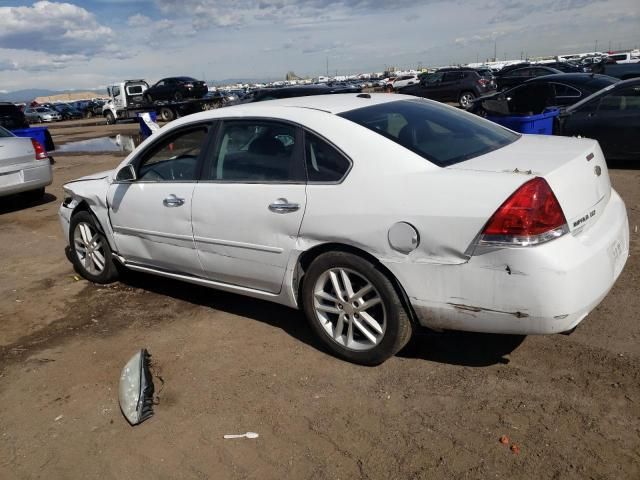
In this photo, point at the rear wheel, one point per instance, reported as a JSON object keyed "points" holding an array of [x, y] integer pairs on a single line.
{"points": [[90, 251], [354, 309], [166, 114], [466, 99]]}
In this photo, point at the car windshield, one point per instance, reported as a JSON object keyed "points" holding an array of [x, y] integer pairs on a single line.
{"points": [[438, 133], [5, 133], [42, 110]]}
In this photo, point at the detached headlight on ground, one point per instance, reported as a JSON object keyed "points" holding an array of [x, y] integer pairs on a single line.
{"points": [[136, 388]]}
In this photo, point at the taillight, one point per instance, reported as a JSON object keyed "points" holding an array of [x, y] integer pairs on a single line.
{"points": [[530, 216], [41, 153], [483, 82]]}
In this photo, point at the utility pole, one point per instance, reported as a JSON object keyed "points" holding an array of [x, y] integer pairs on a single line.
{"points": [[327, 65], [596, 48], [495, 50], [609, 45]]}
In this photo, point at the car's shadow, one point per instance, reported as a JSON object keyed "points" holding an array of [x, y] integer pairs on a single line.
{"points": [[455, 348], [14, 203]]}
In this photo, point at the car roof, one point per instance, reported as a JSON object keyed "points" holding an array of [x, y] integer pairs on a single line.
{"points": [[589, 80]]}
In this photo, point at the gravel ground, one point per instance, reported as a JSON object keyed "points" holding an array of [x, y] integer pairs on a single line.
{"points": [[569, 404]]}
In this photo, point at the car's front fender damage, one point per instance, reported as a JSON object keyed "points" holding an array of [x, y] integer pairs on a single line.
{"points": [[92, 195]]}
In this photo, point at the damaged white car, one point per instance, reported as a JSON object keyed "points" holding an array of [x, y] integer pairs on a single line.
{"points": [[373, 213]]}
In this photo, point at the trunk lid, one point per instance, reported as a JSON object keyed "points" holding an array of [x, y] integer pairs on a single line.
{"points": [[574, 168], [15, 151]]}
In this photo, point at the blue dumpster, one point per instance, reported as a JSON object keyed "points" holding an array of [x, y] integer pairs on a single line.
{"points": [[41, 134], [145, 131], [541, 124]]}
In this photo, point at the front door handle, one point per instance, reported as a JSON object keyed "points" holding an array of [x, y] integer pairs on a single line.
{"points": [[282, 205], [173, 201]]}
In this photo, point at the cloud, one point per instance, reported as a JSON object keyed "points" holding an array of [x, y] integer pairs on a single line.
{"points": [[222, 13], [138, 20], [56, 28]]}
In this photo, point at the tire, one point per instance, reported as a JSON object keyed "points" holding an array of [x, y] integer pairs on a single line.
{"points": [[111, 120], [466, 99], [177, 96], [166, 114], [89, 114], [83, 227], [34, 195], [323, 312]]}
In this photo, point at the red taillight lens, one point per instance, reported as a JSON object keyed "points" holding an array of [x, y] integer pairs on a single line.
{"points": [[483, 82], [532, 215], [41, 153]]}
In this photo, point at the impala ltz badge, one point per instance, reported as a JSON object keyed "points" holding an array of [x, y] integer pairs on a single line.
{"points": [[598, 170]]}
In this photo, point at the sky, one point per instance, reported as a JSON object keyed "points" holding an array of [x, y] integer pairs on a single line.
{"points": [[85, 44]]}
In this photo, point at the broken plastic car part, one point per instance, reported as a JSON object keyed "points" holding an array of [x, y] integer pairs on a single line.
{"points": [[136, 388]]}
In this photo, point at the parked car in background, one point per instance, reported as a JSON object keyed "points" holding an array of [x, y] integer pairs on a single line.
{"points": [[403, 81], [67, 112], [611, 116], [41, 114], [623, 71], [516, 76], [566, 67], [24, 166], [175, 88], [11, 117], [460, 85], [537, 94], [624, 57], [264, 94], [281, 201]]}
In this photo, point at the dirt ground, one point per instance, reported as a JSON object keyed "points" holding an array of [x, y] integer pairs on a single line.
{"points": [[232, 364]]}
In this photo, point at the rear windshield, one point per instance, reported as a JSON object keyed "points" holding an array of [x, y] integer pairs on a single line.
{"points": [[436, 132]]}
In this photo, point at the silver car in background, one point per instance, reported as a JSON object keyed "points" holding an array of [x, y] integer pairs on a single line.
{"points": [[24, 166], [41, 114]]}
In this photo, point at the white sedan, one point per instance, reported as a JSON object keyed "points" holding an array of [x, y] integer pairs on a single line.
{"points": [[24, 166], [375, 214]]}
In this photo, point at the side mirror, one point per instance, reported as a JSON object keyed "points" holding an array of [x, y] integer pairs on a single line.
{"points": [[126, 174]]}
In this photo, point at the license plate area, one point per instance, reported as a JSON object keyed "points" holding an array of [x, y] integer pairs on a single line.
{"points": [[12, 178]]}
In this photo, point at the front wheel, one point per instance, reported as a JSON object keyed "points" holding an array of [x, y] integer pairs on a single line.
{"points": [[111, 119], [166, 114], [90, 251], [466, 99], [354, 309]]}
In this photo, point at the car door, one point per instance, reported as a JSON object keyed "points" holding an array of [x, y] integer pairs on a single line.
{"points": [[159, 90], [449, 87], [151, 216], [431, 85], [613, 120], [248, 208]]}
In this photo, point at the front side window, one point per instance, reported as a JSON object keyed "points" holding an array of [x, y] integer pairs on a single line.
{"points": [[433, 78], [255, 152], [626, 99], [5, 133], [324, 162], [436, 132], [174, 159]]}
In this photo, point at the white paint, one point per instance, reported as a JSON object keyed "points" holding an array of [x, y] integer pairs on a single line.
{"points": [[245, 248]]}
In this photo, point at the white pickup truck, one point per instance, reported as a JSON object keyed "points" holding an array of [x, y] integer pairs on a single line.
{"points": [[126, 101]]}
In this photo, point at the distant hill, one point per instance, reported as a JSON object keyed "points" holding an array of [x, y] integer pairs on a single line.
{"points": [[31, 93]]}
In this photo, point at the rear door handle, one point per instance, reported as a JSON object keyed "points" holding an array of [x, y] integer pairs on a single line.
{"points": [[282, 205], [173, 201]]}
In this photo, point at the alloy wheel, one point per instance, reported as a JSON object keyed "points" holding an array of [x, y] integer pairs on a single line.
{"points": [[350, 309], [88, 247]]}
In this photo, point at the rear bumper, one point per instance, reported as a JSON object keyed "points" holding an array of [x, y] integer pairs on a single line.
{"points": [[26, 179], [537, 290]]}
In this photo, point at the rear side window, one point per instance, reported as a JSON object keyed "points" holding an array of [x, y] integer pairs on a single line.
{"points": [[324, 162], [565, 91], [257, 152], [438, 133]]}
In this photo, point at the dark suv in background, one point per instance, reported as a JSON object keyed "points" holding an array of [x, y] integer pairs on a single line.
{"points": [[11, 117], [462, 85]]}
